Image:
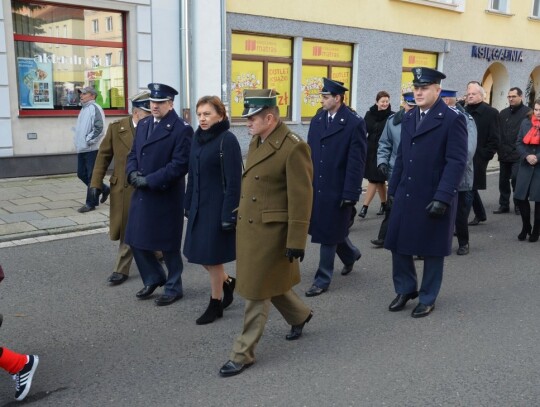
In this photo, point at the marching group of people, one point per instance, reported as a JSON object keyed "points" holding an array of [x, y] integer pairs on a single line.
{"points": [[433, 152]]}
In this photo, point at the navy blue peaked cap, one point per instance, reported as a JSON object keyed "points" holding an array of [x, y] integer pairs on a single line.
{"points": [[160, 92]]}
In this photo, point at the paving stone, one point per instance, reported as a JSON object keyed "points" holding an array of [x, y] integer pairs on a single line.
{"points": [[89, 217], [24, 208], [61, 204], [57, 213], [51, 223], [26, 201], [12, 228], [65, 196], [21, 217]]}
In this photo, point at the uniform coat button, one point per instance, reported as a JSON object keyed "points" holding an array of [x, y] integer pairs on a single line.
{"points": [[256, 177], [250, 221], [253, 199], [239, 218]]}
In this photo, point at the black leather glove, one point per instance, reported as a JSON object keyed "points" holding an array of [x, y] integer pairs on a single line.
{"points": [[131, 177], [389, 202], [294, 254], [94, 194], [228, 226], [383, 169], [186, 213], [140, 181], [345, 203], [436, 209]]}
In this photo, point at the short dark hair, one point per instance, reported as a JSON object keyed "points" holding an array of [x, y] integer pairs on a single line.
{"points": [[215, 102], [518, 90], [382, 94]]}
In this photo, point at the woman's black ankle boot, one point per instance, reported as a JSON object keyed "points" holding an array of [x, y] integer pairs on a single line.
{"points": [[228, 290], [214, 311], [363, 212]]}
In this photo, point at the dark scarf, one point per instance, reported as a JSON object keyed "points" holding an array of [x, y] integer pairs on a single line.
{"points": [[514, 109], [533, 136], [380, 115], [204, 136]]}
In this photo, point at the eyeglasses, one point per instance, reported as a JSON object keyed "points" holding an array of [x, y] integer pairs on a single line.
{"points": [[512, 97]]}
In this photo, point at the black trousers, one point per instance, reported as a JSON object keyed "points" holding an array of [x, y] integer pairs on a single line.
{"points": [[507, 182], [478, 206], [465, 199]]}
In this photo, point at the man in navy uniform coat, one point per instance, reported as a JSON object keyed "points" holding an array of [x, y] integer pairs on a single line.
{"points": [[337, 138], [156, 167], [429, 167]]}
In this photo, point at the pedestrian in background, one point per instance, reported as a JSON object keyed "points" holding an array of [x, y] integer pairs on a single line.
{"points": [[465, 196], [156, 168], [375, 119], [528, 175], [386, 156], [337, 138], [273, 220], [487, 126], [88, 133], [117, 145], [429, 167], [510, 119], [212, 195]]}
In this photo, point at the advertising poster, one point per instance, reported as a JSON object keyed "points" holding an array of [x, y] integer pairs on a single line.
{"points": [[411, 59], [244, 75], [35, 84], [279, 79], [311, 87], [343, 74]]}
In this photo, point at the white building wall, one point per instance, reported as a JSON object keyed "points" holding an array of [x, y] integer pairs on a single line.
{"points": [[6, 141]]}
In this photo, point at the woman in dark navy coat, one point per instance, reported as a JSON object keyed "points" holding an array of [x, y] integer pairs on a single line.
{"points": [[213, 193]]}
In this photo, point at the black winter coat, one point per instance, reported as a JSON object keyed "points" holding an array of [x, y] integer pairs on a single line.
{"points": [[487, 124], [510, 119], [375, 122]]}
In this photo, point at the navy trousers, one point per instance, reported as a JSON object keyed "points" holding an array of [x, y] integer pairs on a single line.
{"points": [[465, 199], [478, 206], [85, 167], [346, 252], [405, 280], [153, 273]]}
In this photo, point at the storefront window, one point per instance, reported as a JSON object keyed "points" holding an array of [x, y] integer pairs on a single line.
{"points": [[412, 59], [323, 59], [52, 64], [261, 63]]}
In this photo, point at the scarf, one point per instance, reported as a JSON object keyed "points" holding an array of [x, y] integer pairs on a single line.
{"points": [[533, 136], [204, 136]]}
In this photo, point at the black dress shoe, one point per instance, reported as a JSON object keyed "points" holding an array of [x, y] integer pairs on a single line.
{"points": [[377, 242], [296, 330], [166, 299], [347, 268], [399, 302], [462, 250], [476, 221], [232, 368], [422, 310], [314, 291], [147, 291], [86, 208], [117, 278], [501, 209]]}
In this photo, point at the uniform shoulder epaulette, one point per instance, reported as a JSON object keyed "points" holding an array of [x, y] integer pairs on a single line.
{"points": [[294, 137]]}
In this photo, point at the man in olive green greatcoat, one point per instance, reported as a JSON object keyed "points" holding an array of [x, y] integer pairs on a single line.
{"points": [[272, 224], [117, 144]]}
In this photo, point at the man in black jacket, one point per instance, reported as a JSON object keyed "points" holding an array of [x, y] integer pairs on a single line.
{"points": [[510, 120], [487, 124]]}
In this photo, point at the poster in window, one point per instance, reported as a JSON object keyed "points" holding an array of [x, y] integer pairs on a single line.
{"points": [[244, 75], [343, 74], [279, 79], [35, 84], [411, 59], [311, 89]]}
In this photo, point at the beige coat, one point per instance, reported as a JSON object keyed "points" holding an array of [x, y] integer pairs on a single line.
{"points": [[116, 144], [274, 212]]}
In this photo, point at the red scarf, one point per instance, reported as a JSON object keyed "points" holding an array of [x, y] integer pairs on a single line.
{"points": [[533, 136]]}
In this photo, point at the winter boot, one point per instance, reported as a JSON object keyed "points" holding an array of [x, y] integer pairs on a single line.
{"points": [[214, 311]]}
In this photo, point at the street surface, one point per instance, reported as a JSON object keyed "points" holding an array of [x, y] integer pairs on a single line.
{"points": [[100, 346]]}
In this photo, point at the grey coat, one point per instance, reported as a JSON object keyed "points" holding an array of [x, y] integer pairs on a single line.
{"points": [[528, 176], [472, 134]]}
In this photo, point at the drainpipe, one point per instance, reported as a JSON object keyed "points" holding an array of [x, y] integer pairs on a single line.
{"points": [[185, 61], [224, 79]]}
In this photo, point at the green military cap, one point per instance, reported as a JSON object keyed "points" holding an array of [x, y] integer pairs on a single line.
{"points": [[255, 100]]}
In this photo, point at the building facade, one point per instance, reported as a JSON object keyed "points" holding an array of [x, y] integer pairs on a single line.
{"points": [[221, 47]]}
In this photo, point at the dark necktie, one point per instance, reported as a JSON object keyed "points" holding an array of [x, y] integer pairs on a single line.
{"points": [[329, 120], [422, 115]]}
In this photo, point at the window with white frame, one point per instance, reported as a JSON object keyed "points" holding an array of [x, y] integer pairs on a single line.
{"points": [[452, 5], [536, 9], [108, 59], [499, 5], [95, 26], [109, 23]]}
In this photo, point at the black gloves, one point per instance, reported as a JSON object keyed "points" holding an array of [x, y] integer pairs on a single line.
{"points": [[294, 254], [383, 169], [137, 180], [94, 194], [228, 226], [389, 202], [186, 213], [436, 209], [346, 203]]}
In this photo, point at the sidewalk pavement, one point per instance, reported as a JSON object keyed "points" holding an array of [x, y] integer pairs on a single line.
{"points": [[39, 208]]}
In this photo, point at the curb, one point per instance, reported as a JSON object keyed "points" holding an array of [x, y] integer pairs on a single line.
{"points": [[51, 232]]}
